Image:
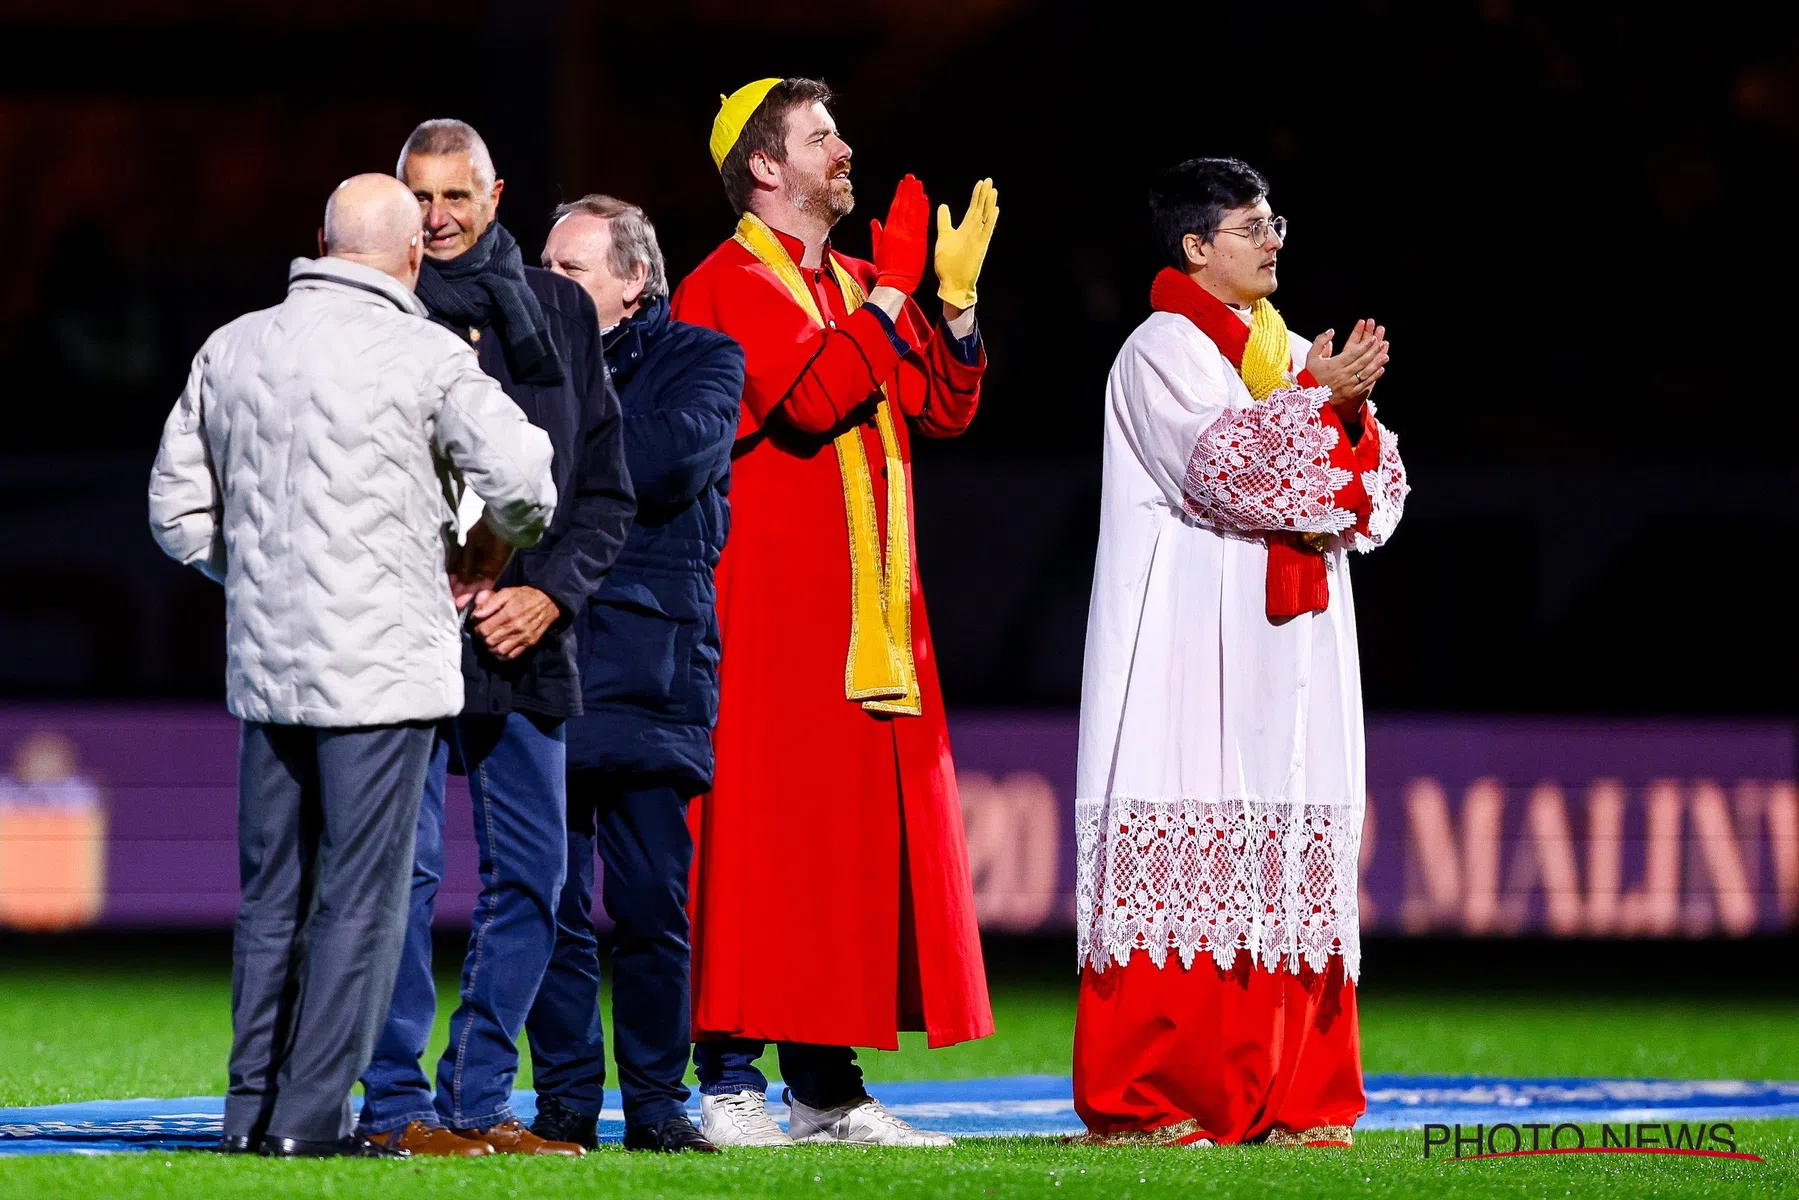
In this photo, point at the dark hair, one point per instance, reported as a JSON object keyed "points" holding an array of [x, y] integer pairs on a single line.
{"points": [[766, 130], [1193, 198]]}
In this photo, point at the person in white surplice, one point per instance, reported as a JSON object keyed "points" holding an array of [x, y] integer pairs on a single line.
{"points": [[1219, 792]]}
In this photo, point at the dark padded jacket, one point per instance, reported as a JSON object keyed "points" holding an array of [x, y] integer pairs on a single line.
{"points": [[594, 504], [649, 639]]}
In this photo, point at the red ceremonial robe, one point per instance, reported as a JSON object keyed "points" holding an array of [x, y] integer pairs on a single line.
{"points": [[831, 896], [1200, 1052]]}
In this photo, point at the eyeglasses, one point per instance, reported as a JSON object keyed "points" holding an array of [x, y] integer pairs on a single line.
{"points": [[1257, 232]]}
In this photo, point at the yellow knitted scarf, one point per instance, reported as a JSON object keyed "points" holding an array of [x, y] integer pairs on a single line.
{"points": [[1268, 358], [879, 670]]}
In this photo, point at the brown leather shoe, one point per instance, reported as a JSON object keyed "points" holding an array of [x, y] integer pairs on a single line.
{"points": [[434, 1141], [511, 1137]]}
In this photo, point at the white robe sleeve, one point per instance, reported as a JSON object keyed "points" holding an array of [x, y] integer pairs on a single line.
{"points": [[1387, 488], [1253, 469], [1386, 485], [1166, 397]]}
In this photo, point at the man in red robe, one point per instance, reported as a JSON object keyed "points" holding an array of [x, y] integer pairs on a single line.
{"points": [[832, 904]]}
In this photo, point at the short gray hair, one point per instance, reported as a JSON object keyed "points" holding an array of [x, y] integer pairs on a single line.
{"points": [[446, 135], [633, 239]]}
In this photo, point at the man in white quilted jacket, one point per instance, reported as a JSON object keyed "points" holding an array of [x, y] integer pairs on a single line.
{"points": [[313, 465]]}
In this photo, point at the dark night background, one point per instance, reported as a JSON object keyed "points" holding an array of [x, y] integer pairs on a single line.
{"points": [[1571, 217]]}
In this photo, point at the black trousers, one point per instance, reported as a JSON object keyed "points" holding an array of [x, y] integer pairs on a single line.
{"points": [[325, 821], [639, 828]]}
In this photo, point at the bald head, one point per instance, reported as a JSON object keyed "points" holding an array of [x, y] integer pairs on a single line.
{"points": [[374, 220]]}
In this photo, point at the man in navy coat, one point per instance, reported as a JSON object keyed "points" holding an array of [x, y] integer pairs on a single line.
{"points": [[649, 653]]}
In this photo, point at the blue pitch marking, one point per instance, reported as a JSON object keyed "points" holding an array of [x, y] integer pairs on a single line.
{"points": [[1016, 1106]]}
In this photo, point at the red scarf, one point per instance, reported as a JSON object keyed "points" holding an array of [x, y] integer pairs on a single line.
{"points": [[1297, 582]]}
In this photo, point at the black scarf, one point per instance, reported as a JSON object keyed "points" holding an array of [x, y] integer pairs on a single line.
{"points": [[486, 286]]}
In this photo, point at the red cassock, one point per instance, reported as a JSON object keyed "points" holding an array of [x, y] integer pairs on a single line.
{"points": [[1204, 1052], [831, 902]]}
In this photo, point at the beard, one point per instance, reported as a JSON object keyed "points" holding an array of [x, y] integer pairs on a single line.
{"points": [[831, 197]]}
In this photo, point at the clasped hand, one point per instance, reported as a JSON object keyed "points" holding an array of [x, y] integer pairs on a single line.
{"points": [[1352, 374], [512, 620], [509, 621]]}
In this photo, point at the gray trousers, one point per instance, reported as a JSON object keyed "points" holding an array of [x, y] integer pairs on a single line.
{"points": [[325, 824]]}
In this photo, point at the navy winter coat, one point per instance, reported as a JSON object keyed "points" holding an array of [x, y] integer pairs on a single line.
{"points": [[649, 639], [593, 505]]}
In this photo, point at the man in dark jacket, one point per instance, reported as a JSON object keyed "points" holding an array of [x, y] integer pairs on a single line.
{"points": [[643, 746], [537, 335]]}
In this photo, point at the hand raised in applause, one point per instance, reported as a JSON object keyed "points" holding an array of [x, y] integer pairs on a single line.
{"points": [[1352, 374], [511, 620], [900, 244], [962, 248]]}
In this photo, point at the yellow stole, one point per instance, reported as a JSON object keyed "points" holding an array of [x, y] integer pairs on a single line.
{"points": [[879, 671]]}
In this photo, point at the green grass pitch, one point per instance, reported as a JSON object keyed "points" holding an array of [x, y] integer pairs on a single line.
{"points": [[143, 1028]]}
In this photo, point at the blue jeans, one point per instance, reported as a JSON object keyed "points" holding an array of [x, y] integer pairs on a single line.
{"points": [[640, 830], [515, 768], [818, 1076]]}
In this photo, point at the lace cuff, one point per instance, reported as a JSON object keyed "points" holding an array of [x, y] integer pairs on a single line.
{"points": [[1268, 467], [1387, 489]]}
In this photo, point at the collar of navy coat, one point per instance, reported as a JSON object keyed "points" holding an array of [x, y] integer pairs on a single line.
{"points": [[625, 342], [340, 274]]}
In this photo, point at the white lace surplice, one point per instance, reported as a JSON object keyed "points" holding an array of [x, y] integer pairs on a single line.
{"points": [[1219, 791]]}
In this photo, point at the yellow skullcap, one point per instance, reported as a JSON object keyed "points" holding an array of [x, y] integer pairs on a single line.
{"points": [[734, 112]]}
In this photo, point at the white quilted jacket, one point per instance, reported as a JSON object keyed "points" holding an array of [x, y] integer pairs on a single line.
{"points": [[313, 465]]}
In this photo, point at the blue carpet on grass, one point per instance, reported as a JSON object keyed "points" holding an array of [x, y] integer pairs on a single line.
{"points": [[1016, 1106]]}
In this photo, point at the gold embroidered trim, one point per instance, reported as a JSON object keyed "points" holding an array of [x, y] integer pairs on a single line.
{"points": [[1317, 1133], [879, 669], [1167, 1135]]}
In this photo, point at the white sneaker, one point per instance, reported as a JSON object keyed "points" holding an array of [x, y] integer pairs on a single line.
{"points": [[861, 1122], [740, 1119]]}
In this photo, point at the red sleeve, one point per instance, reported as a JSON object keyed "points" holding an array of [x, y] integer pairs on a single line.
{"points": [[938, 391], [831, 372], [815, 376]]}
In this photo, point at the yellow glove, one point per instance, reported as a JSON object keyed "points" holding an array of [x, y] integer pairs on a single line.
{"points": [[960, 248]]}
